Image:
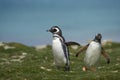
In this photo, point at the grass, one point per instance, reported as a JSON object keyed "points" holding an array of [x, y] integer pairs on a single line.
{"points": [[38, 65]]}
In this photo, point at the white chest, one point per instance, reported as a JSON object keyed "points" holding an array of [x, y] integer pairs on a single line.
{"points": [[58, 52], [93, 53], [56, 45], [94, 48]]}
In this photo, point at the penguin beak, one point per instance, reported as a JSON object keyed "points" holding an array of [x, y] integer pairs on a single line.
{"points": [[49, 30]]}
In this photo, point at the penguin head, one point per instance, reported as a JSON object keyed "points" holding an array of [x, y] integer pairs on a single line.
{"points": [[98, 38], [55, 30]]}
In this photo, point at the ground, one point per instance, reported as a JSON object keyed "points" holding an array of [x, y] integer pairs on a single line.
{"points": [[21, 62]]}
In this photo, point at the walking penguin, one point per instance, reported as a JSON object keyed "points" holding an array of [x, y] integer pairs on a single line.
{"points": [[60, 48], [93, 52]]}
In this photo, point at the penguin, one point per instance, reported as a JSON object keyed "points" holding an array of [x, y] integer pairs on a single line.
{"points": [[60, 48], [93, 51]]}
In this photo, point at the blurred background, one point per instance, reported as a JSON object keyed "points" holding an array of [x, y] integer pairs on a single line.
{"points": [[26, 21]]}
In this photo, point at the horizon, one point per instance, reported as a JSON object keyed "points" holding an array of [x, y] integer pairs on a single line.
{"points": [[26, 21]]}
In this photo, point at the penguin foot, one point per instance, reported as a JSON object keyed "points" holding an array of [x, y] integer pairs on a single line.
{"points": [[84, 68], [67, 68], [76, 55]]}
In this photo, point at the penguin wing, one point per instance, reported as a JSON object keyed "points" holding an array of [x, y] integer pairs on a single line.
{"points": [[66, 51], [82, 49], [72, 43], [105, 54]]}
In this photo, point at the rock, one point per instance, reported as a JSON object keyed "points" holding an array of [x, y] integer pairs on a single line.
{"points": [[8, 47], [2, 44], [40, 47]]}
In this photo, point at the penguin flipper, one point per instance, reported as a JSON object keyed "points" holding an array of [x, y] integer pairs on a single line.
{"points": [[72, 43], [105, 55], [66, 53], [82, 49]]}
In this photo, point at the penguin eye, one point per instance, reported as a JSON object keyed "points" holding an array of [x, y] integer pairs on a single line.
{"points": [[56, 30]]}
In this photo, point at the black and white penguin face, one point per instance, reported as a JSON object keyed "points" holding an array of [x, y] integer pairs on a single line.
{"points": [[55, 30], [98, 38]]}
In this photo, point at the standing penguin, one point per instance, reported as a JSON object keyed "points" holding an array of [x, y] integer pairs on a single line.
{"points": [[60, 48], [93, 52]]}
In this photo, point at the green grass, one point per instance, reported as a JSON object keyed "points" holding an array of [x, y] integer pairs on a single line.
{"points": [[38, 65]]}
